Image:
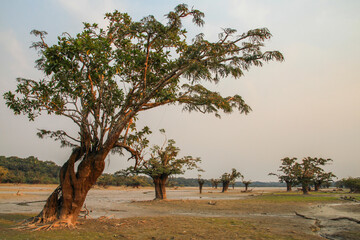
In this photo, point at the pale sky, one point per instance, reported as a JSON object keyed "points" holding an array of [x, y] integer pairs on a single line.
{"points": [[308, 105]]}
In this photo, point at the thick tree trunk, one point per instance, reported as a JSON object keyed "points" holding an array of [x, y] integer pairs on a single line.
{"points": [[246, 187], [305, 188], [317, 186], [288, 186], [160, 190], [225, 186], [65, 203]]}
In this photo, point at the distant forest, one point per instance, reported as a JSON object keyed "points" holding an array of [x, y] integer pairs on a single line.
{"points": [[34, 171], [28, 170]]}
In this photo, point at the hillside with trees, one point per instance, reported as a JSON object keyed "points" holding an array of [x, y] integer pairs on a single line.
{"points": [[28, 170]]}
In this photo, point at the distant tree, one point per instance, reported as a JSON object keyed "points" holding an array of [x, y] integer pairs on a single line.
{"points": [[101, 79], [352, 183], [201, 183], [287, 173], [105, 180], [3, 173], [215, 182], [246, 183], [226, 178], [163, 162], [322, 178], [307, 170], [171, 182]]}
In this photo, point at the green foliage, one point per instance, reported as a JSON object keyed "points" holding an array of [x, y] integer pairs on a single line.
{"points": [[3, 173], [29, 170], [102, 78], [352, 183]]}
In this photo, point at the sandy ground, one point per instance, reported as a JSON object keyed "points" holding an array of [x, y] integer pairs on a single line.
{"points": [[102, 202], [120, 202]]}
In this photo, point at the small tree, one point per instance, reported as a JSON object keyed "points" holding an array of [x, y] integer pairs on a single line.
{"points": [[215, 182], [201, 183], [163, 162], [246, 183], [287, 172], [226, 178], [307, 170]]}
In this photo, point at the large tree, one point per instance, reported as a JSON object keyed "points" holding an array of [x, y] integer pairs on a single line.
{"points": [[286, 174], [101, 79]]}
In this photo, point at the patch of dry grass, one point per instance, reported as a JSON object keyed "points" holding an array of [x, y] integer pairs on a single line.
{"points": [[170, 227]]}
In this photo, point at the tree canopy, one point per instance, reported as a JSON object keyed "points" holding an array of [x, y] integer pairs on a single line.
{"points": [[101, 78]]}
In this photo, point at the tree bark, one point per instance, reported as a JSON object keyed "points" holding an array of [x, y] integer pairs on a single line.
{"points": [[305, 188], [200, 187], [65, 203], [160, 190], [225, 186], [317, 186], [246, 187], [288, 186]]}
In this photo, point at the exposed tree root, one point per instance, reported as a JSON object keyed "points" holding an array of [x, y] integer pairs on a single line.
{"points": [[37, 224]]}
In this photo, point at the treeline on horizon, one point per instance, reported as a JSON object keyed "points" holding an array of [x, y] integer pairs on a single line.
{"points": [[31, 170]]}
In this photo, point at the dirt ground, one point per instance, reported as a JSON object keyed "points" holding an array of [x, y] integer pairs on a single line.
{"points": [[322, 216]]}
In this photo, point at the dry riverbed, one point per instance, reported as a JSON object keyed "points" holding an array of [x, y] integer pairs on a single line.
{"points": [[264, 213]]}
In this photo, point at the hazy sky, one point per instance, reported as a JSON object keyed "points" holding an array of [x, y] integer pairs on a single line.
{"points": [[308, 105]]}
